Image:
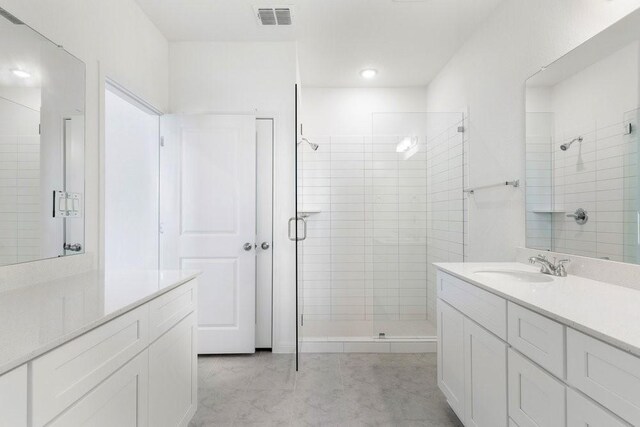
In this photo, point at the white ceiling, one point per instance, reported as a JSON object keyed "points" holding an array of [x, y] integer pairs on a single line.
{"points": [[407, 41]]}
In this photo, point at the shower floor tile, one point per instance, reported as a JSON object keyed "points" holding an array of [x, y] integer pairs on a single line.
{"points": [[330, 390]]}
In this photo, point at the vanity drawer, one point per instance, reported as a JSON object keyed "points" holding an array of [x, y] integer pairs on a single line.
{"points": [[537, 337], [483, 307], [168, 309], [65, 374], [608, 375], [536, 398], [583, 412]]}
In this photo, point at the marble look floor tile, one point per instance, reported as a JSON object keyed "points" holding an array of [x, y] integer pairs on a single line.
{"points": [[331, 390], [319, 408], [269, 407]]}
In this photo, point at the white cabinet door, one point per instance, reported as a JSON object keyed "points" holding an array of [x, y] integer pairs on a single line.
{"points": [[451, 356], [485, 377], [582, 412], [536, 399], [208, 215], [173, 376], [121, 400], [13, 398]]}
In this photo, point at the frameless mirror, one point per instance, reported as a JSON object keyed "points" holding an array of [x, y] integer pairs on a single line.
{"points": [[42, 109], [582, 148]]}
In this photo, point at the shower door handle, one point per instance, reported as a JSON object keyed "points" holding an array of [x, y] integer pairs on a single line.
{"points": [[294, 220]]}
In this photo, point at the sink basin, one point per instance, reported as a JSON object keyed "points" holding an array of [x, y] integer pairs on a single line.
{"points": [[520, 276]]}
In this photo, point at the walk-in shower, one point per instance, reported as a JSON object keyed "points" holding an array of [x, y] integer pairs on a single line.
{"points": [[379, 209]]}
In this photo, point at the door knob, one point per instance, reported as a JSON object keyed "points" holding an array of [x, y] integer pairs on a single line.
{"points": [[247, 246], [265, 245]]}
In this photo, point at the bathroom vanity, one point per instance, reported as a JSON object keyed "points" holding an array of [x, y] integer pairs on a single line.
{"points": [[520, 348], [100, 349]]}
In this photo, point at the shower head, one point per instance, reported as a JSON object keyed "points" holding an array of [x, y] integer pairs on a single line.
{"points": [[313, 146], [566, 145]]}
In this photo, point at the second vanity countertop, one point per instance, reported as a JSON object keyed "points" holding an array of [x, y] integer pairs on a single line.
{"points": [[602, 310], [38, 318]]}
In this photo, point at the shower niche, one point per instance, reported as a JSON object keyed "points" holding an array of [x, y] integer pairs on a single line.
{"points": [[582, 148]]}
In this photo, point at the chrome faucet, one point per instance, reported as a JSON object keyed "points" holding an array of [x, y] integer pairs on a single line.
{"points": [[548, 267]]}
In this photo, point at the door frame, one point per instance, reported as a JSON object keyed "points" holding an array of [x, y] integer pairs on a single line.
{"points": [[271, 301], [106, 82]]}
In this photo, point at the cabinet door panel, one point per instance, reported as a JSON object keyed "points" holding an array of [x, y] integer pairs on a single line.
{"points": [[121, 400], [451, 356], [173, 376], [485, 377], [536, 399], [13, 398]]}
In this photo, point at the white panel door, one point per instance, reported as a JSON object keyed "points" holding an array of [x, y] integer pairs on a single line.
{"points": [[208, 221]]}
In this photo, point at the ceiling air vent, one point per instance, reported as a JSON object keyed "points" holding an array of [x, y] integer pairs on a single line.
{"points": [[274, 15]]}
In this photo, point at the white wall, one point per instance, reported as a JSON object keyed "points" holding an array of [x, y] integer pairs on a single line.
{"points": [[113, 38], [259, 79], [347, 111], [132, 178], [487, 76]]}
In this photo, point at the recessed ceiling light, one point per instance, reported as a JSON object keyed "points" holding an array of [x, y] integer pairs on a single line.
{"points": [[368, 73], [20, 73]]}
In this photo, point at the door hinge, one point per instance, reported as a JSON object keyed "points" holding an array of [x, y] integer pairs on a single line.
{"points": [[160, 228], [302, 319], [461, 129], [162, 141]]}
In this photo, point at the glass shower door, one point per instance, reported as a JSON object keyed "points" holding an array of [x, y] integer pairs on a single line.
{"points": [[415, 216]]}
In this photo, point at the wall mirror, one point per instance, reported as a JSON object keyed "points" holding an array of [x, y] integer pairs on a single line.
{"points": [[582, 148], [42, 111]]}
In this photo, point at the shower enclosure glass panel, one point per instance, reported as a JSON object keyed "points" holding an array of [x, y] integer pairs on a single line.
{"points": [[416, 216], [375, 223]]}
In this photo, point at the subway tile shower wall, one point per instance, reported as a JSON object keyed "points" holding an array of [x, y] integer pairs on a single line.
{"points": [[599, 175], [381, 218], [20, 213]]}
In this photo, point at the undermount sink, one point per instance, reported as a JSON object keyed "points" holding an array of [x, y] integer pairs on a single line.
{"points": [[521, 276]]}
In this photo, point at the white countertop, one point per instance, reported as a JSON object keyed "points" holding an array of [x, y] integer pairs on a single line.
{"points": [[602, 310], [35, 319]]}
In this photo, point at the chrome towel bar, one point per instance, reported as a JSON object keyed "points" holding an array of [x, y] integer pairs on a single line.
{"points": [[515, 184]]}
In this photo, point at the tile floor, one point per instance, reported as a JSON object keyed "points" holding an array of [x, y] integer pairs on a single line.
{"points": [[345, 389]]}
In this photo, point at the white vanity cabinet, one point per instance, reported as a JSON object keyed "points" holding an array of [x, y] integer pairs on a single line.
{"points": [[13, 398], [501, 364], [137, 369], [451, 356], [472, 369]]}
